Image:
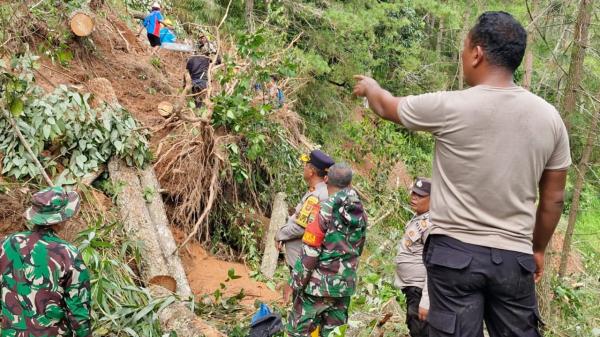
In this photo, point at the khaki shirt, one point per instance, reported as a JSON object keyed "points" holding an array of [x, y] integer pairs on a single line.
{"points": [[291, 233], [491, 147], [410, 270]]}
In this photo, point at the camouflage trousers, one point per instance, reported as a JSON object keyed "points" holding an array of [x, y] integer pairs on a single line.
{"points": [[309, 312]]}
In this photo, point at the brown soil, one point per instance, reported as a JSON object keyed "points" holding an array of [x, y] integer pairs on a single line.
{"points": [[206, 273], [11, 212], [574, 264], [138, 83], [399, 177]]}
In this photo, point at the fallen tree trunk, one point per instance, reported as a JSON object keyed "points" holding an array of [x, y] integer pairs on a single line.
{"points": [[134, 212], [178, 317], [138, 15], [271, 253], [156, 209]]}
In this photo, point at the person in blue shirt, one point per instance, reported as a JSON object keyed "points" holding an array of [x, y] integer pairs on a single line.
{"points": [[152, 23]]}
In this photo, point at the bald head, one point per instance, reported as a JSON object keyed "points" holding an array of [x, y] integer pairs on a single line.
{"points": [[339, 175]]}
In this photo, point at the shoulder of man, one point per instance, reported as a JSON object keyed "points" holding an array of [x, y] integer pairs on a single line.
{"points": [[55, 240]]}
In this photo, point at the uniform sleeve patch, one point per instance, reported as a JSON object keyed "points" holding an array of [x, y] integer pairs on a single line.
{"points": [[306, 211], [314, 235]]}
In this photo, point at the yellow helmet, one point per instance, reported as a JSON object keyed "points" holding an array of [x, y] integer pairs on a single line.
{"points": [[168, 22]]}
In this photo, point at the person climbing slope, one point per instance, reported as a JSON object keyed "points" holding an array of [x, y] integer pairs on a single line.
{"points": [[152, 24], [198, 67]]}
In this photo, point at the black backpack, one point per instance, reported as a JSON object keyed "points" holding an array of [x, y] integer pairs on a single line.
{"points": [[266, 326]]}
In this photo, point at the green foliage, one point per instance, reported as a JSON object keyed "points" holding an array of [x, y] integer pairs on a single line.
{"points": [[119, 306], [62, 129]]}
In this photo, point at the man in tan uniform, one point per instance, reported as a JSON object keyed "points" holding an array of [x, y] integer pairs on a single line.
{"points": [[290, 235], [497, 146], [410, 272]]}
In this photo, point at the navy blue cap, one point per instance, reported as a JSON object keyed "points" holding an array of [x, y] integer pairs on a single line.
{"points": [[320, 160], [422, 187]]}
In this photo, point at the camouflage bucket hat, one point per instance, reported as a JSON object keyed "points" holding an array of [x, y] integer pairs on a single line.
{"points": [[52, 206]]}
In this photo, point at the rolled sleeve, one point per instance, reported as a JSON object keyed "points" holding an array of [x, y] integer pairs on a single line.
{"points": [[423, 112]]}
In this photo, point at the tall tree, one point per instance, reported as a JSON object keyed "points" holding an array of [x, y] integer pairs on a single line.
{"points": [[580, 38], [463, 35], [528, 64], [250, 15], [582, 169]]}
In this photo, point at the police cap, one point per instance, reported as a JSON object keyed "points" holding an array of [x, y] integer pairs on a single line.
{"points": [[319, 159], [422, 187]]}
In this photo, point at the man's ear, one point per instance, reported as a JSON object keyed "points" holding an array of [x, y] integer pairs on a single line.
{"points": [[325, 179], [478, 56]]}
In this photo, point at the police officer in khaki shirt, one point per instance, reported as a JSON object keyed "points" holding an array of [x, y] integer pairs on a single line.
{"points": [[290, 235], [411, 276]]}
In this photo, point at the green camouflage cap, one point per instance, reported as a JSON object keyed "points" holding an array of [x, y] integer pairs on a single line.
{"points": [[51, 206]]}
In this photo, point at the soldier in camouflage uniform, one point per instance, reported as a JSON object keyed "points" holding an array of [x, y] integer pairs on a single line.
{"points": [[315, 169], [44, 285], [324, 278]]}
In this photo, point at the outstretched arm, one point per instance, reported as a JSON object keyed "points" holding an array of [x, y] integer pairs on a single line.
{"points": [[552, 190], [381, 101]]}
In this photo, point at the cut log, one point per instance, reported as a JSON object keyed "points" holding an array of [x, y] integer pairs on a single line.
{"points": [[178, 317], [82, 24], [165, 108], [134, 212], [278, 218], [157, 212]]}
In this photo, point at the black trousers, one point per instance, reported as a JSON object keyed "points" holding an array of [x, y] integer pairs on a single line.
{"points": [[469, 284], [416, 327]]}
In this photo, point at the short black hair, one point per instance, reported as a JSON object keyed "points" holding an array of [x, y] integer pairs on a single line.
{"points": [[502, 38]]}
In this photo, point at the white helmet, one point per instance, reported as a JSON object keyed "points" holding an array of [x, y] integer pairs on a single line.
{"points": [[156, 5]]}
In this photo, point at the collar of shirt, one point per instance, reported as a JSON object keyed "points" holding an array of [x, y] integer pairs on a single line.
{"points": [[420, 216]]}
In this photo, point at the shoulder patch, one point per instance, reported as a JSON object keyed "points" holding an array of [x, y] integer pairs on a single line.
{"points": [[313, 234], [306, 211]]}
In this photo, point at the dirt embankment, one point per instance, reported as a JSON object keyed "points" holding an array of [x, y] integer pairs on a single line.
{"points": [[140, 81]]}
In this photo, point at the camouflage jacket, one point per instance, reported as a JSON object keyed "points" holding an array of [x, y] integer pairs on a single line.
{"points": [[332, 245], [44, 287]]}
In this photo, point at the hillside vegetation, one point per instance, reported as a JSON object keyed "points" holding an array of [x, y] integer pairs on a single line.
{"points": [[220, 166]]}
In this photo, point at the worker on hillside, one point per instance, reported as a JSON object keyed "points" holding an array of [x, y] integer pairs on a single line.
{"points": [[152, 23], [496, 146], [315, 170], [324, 278], [198, 67], [410, 271], [44, 284]]}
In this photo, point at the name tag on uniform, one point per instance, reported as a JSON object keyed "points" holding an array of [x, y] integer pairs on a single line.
{"points": [[304, 216]]}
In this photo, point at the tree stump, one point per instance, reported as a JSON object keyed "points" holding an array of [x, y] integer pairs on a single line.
{"points": [[82, 23]]}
